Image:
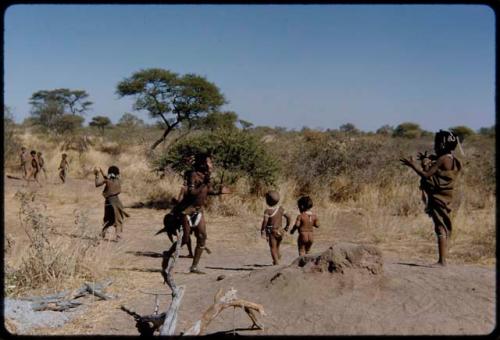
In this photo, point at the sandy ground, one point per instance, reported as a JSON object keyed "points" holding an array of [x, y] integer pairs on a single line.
{"points": [[409, 297]]}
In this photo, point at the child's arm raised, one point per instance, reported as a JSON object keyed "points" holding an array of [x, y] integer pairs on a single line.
{"points": [[98, 182]]}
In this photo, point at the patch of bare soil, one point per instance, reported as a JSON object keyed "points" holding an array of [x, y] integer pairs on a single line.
{"points": [[343, 288]]}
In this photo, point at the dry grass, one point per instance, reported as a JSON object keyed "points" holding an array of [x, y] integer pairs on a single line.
{"points": [[54, 260], [376, 187]]}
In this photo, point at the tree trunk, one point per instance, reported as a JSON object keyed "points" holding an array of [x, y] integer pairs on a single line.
{"points": [[165, 134]]}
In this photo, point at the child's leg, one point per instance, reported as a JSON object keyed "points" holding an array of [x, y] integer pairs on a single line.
{"points": [[278, 242], [273, 245], [442, 239], [309, 242], [301, 245]]}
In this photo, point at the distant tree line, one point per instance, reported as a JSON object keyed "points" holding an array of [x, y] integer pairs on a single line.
{"points": [[188, 102]]}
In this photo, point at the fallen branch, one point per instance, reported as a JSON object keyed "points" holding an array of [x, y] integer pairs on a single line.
{"points": [[67, 299], [222, 302]]}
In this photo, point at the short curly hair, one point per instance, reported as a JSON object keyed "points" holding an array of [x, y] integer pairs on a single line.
{"points": [[113, 170], [305, 203]]}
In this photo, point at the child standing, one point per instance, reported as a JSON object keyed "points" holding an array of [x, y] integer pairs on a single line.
{"points": [[63, 167], [305, 222], [437, 180], [24, 161], [41, 163], [35, 168], [271, 228], [114, 212]]}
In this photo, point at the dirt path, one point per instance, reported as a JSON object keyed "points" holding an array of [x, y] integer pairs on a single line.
{"points": [[408, 298]]}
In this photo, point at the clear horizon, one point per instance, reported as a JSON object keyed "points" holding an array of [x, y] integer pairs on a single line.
{"points": [[319, 66]]}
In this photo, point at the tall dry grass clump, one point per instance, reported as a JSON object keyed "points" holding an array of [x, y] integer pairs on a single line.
{"points": [[52, 260]]}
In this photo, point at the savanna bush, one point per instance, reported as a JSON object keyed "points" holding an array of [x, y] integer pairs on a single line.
{"points": [[236, 154]]}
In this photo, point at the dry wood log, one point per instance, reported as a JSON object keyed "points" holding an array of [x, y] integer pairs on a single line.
{"points": [[66, 299], [168, 264], [59, 306], [164, 322], [222, 302]]}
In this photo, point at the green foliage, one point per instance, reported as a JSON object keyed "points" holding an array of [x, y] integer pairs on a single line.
{"points": [[236, 154], [407, 130], [129, 120], [67, 124], [462, 131], [101, 122], [218, 120], [170, 97], [49, 107], [349, 128], [245, 125], [385, 130]]}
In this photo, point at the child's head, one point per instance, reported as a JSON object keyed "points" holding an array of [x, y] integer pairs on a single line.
{"points": [[305, 203], [23, 148], [33, 153], [113, 171], [445, 142], [272, 198], [38, 153], [64, 155]]}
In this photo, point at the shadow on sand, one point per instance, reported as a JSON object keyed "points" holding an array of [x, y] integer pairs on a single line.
{"points": [[229, 268]]}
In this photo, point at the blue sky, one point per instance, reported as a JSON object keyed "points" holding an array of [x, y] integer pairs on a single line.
{"points": [[278, 65]]}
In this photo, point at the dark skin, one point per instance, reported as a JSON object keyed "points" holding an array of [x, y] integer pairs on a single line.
{"points": [[195, 194], [34, 170], [274, 243], [64, 165], [443, 162]]}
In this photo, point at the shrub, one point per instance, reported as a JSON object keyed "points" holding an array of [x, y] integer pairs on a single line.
{"points": [[462, 132], [236, 154], [407, 130]]}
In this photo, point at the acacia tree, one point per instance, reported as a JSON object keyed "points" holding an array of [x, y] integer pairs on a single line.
{"points": [[50, 107], [71, 101], [172, 98], [100, 122]]}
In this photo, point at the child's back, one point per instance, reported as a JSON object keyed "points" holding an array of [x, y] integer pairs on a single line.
{"points": [[305, 223]]}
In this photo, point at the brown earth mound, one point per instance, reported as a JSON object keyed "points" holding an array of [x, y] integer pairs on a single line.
{"points": [[341, 256]]}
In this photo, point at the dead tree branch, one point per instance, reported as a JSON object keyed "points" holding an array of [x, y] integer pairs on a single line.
{"points": [[222, 302]]}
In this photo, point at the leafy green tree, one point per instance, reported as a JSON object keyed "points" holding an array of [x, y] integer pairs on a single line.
{"points": [[236, 154], [130, 120], [407, 130], [462, 131], [48, 106], [218, 120], [100, 122], [245, 125], [172, 98], [349, 128], [385, 130], [67, 123]]}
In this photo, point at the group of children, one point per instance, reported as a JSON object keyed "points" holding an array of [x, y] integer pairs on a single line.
{"points": [[31, 167], [272, 224], [437, 172]]}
